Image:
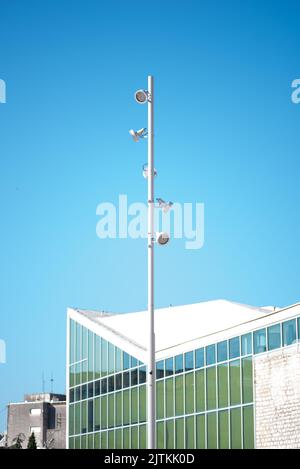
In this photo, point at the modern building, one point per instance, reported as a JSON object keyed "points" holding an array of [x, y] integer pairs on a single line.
{"points": [[44, 414], [227, 374]]}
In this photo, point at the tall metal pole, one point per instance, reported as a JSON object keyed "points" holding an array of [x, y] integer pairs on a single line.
{"points": [[151, 345]]}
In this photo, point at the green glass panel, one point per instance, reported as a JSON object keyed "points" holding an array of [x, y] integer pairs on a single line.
{"points": [[179, 433], [90, 441], [72, 375], [200, 390], [247, 380], [111, 439], [169, 397], [134, 438], [97, 444], [84, 371], [126, 438], [77, 442], [103, 438], [190, 433], [160, 396], [71, 443], [119, 435], [111, 410], [72, 340], [84, 443], [235, 385], [189, 393], [134, 405], [248, 427], [77, 419], [84, 333], [97, 421], [235, 428], [200, 432], [212, 442], [103, 412], [90, 416], [77, 343], [84, 417], [90, 356], [103, 357], [160, 435], [97, 357], [223, 385], [223, 430], [77, 373], [126, 407], [179, 409], [111, 359], [71, 420], [119, 410], [142, 403], [170, 434], [211, 391], [143, 437]]}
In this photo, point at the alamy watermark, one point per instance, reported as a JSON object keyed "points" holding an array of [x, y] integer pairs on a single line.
{"points": [[182, 221], [2, 351], [2, 92], [295, 96]]}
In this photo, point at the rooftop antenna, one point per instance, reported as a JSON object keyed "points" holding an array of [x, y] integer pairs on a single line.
{"points": [[52, 380]]}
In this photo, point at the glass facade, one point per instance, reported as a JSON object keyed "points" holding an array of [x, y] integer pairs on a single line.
{"points": [[204, 397]]}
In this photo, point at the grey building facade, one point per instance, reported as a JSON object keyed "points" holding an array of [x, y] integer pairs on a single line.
{"points": [[44, 414]]}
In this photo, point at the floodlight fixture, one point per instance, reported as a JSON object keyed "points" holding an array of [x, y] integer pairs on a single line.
{"points": [[165, 206], [141, 96], [138, 134], [162, 238]]}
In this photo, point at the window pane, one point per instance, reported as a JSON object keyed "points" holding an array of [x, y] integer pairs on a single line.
{"points": [[211, 388], [77, 442], [84, 343], [111, 358], [134, 405], [134, 377], [77, 419], [119, 439], [71, 420], [77, 344], [118, 381], [72, 341], [84, 417], [223, 430], [104, 386], [169, 367], [97, 444], [248, 425], [142, 403], [83, 442], [274, 337], [91, 441], [189, 393], [199, 358], [247, 344], [200, 432], [179, 395], [103, 357], [212, 430], [189, 361], [179, 433], [160, 435], [189, 433], [142, 375], [160, 369], [97, 388], [223, 385], [289, 332], [134, 438], [111, 410], [170, 434], [97, 355], [210, 355], [134, 362], [143, 437], [298, 324], [126, 407], [235, 428], [125, 361], [90, 356], [97, 414], [169, 397], [118, 357], [222, 351], [235, 385], [247, 380], [259, 339], [103, 412], [160, 395], [119, 410], [200, 390], [103, 439], [234, 347], [91, 415], [126, 379], [126, 438], [111, 439], [179, 364]]}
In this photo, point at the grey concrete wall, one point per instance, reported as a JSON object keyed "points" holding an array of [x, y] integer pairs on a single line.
{"points": [[277, 398]]}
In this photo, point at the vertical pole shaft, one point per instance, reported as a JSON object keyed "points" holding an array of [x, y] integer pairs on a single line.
{"points": [[151, 344]]}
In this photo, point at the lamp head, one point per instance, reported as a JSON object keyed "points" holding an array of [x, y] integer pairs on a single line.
{"points": [[162, 238], [141, 96]]}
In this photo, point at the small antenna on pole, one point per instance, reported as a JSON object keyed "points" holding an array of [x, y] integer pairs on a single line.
{"points": [[52, 380]]}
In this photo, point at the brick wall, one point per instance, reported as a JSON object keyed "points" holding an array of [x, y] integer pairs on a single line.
{"points": [[277, 398]]}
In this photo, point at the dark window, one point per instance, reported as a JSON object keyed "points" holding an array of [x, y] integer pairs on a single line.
{"points": [[119, 381], [91, 390], [77, 393], [199, 358], [72, 395], [169, 370], [189, 361], [210, 355], [104, 386], [97, 388], [234, 347], [134, 377], [222, 351], [111, 383], [90, 416], [142, 375], [84, 391], [160, 369], [126, 379], [179, 364], [134, 362]]}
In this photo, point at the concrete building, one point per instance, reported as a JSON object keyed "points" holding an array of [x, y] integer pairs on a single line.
{"points": [[44, 414], [228, 376]]}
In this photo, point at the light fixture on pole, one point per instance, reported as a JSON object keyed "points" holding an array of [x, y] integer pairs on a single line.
{"points": [[142, 97]]}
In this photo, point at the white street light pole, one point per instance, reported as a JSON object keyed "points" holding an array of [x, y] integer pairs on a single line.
{"points": [[151, 341]]}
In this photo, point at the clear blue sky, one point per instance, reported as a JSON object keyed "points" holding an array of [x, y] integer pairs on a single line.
{"points": [[226, 135]]}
